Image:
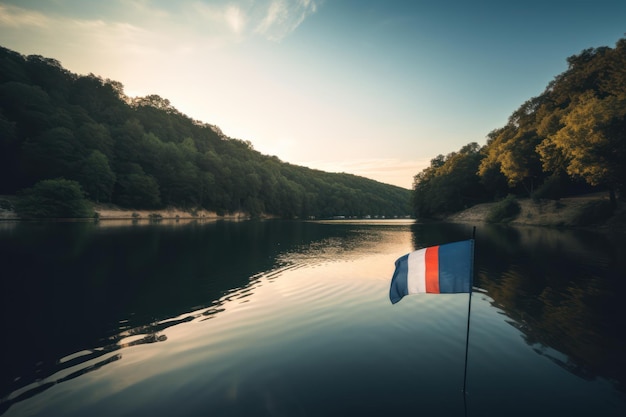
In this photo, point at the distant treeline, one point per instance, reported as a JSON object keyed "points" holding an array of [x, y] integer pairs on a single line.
{"points": [[143, 153], [568, 140]]}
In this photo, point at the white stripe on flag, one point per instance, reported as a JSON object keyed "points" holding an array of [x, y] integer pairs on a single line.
{"points": [[416, 274]]}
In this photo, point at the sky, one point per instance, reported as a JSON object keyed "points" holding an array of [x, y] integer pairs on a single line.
{"points": [[375, 88]]}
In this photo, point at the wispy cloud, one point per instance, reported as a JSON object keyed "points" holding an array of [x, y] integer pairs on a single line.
{"points": [[16, 17], [195, 24], [283, 16], [271, 19], [67, 27]]}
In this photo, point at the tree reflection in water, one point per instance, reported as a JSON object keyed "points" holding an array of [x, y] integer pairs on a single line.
{"points": [[84, 293], [563, 290]]}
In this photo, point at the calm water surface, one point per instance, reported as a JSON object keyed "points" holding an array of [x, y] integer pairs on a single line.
{"points": [[293, 319]]}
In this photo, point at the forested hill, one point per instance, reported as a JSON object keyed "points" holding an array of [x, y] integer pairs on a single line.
{"points": [[142, 153], [570, 139]]}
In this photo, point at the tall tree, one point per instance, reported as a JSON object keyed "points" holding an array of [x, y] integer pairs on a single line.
{"points": [[9, 164], [511, 149], [136, 189], [54, 153], [449, 184], [96, 177], [592, 141]]}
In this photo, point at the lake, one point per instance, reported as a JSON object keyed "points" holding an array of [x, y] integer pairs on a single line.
{"points": [[282, 318]]}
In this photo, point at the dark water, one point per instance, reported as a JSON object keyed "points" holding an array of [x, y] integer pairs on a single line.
{"points": [[293, 319]]}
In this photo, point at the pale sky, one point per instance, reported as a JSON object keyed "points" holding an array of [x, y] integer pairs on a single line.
{"points": [[372, 88]]}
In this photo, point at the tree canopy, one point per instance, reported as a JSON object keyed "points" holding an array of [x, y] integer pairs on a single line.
{"points": [[54, 198], [143, 153], [570, 138]]}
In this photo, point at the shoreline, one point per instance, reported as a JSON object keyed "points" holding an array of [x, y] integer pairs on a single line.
{"points": [[110, 212], [564, 213]]}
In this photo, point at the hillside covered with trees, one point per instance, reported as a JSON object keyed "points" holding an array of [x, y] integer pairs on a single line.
{"points": [[568, 140], [74, 130]]}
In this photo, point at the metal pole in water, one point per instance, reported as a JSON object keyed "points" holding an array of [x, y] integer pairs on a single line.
{"points": [[469, 310]]}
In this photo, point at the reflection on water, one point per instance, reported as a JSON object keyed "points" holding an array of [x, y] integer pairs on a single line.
{"points": [[563, 290], [292, 318], [109, 282], [67, 276]]}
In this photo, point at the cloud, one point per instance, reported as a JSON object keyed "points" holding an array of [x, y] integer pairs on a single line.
{"points": [[214, 20], [142, 26], [283, 17], [15, 17], [227, 20]]}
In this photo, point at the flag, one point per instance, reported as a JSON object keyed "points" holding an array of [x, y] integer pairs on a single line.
{"points": [[441, 269]]}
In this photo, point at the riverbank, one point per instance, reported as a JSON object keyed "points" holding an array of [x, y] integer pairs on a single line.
{"points": [[581, 211], [113, 212]]}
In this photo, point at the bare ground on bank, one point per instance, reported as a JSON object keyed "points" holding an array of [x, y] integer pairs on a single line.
{"points": [[589, 210], [112, 212]]}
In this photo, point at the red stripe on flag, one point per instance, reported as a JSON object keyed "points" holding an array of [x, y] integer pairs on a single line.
{"points": [[432, 270]]}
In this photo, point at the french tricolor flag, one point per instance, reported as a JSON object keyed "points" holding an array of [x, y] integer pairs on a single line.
{"points": [[441, 269]]}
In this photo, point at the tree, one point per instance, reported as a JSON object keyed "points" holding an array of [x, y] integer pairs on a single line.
{"points": [[9, 147], [96, 136], [128, 141], [136, 189], [592, 141], [54, 153], [511, 149], [28, 105], [50, 75], [12, 66], [450, 183], [54, 198], [96, 177], [56, 124]]}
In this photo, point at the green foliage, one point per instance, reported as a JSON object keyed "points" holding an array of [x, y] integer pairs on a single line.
{"points": [[136, 189], [504, 211], [511, 149], [54, 153], [145, 154], [449, 184], [592, 140], [54, 198], [586, 136], [575, 130], [96, 177]]}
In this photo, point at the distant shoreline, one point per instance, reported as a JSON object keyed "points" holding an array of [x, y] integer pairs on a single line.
{"points": [[112, 212], [564, 213]]}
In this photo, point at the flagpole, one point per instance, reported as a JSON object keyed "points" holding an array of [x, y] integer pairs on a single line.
{"points": [[469, 310]]}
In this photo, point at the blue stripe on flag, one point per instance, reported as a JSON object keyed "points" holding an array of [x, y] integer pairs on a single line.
{"points": [[399, 287], [455, 267]]}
